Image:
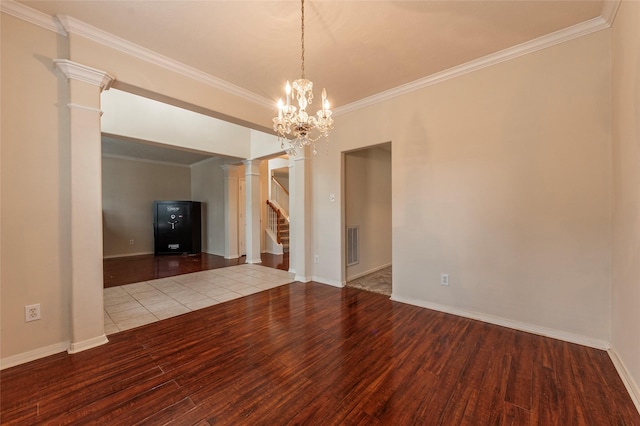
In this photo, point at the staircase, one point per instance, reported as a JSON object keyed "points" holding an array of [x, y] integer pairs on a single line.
{"points": [[283, 232], [277, 229]]}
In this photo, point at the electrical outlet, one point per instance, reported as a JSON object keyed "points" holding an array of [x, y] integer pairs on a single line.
{"points": [[32, 312], [131, 242], [316, 258], [444, 279]]}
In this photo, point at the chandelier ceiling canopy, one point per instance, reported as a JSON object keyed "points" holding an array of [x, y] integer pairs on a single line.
{"points": [[294, 126]]}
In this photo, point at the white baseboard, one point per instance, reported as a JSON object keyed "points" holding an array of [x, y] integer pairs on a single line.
{"points": [[114, 256], [87, 344], [627, 379], [327, 281], [504, 322], [33, 355], [273, 252], [301, 278], [370, 271]]}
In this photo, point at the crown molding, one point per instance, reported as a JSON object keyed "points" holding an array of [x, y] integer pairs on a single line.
{"points": [[557, 37], [65, 24], [75, 26], [33, 16], [609, 10], [76, 71], [145, 160]]}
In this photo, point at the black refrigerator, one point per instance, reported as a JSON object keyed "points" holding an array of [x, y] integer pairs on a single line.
{"points": [[176, 227]]}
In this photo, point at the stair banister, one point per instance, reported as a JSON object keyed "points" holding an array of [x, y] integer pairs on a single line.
{"points": [[274, 226]]}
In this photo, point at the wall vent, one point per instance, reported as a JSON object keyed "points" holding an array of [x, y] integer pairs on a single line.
{"points": [[353, 244]]}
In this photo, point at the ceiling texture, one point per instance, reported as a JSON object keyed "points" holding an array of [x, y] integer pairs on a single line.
{"points": [[356, 49]]}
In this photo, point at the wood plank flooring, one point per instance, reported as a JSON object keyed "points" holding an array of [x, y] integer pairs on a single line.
{"points": [[133, 269], [317, 355]]}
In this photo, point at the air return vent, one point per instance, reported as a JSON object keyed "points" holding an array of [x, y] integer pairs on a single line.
{"points": [[353, 245]]}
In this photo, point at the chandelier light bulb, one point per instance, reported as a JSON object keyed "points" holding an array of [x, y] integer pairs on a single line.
{"points": [[287, 89]]}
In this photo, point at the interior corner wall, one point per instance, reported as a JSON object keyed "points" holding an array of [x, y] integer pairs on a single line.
{"points": [[368, 205], [625, 286], [129, 188], [35, 224], [207, 185], [502, 179]]}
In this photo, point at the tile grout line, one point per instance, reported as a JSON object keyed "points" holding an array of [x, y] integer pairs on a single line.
{"points": [[231, 279]]}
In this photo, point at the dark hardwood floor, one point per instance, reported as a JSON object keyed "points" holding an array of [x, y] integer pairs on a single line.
{"points": [[317, 355], [133, 269]]}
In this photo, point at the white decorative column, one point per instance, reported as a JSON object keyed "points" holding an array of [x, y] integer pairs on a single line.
{"points": [[300, 213], [87, 310], [230, 211], [252, 178]]}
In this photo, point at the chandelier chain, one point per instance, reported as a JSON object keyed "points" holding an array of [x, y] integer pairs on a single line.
{"points": [[302, 38]]}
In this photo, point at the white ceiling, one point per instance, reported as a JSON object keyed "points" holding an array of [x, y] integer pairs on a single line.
{"points": [[355, 49]]}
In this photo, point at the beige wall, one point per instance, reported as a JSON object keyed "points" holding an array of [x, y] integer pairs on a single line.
{"points": [[207, 185], [368, 205], [625, 286], [129, 189], [502, 179], [35, 225]]}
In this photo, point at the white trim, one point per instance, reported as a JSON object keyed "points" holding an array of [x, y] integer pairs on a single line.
{"points": [[233, 256], [505, 322], [301, 278], [609, 10], [327, 281], [115, 256], [213, 157], [74, 348], [63, 24], [33, 16], [86, 108], [370, 271], [76, 71], [33, 355], [272, 252], [557, 37], [72, 25], [78, 27], [627, 379], [271, 242], [145, 160]]}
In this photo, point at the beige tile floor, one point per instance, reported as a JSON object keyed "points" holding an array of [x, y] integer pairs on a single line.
{"points": [[133, 305]]}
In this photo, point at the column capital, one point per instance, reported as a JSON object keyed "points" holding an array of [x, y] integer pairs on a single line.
{"points": [[75, 71], [251, 167]]}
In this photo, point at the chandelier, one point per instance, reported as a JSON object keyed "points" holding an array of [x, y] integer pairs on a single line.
{"points": [[294, 124]]}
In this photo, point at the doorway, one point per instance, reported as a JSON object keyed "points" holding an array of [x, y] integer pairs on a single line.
{"points": [[367, 189]]}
